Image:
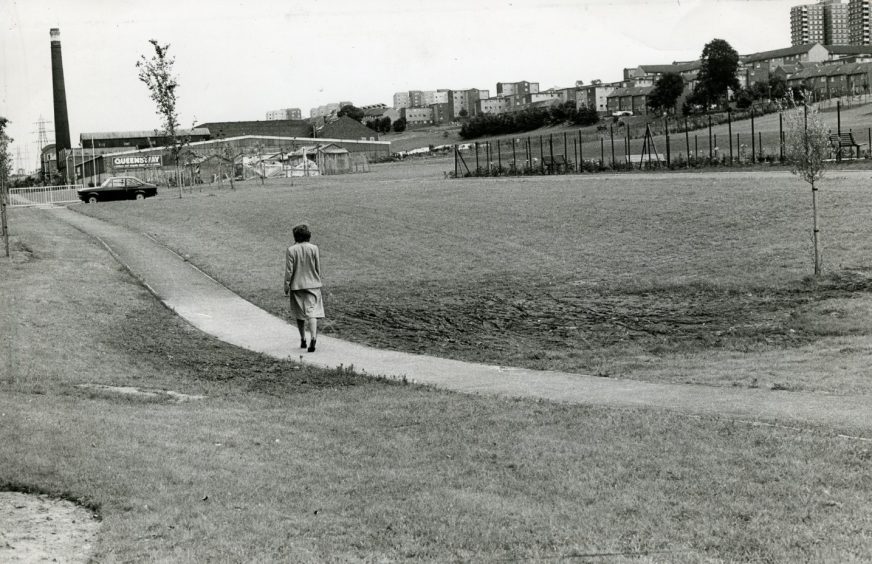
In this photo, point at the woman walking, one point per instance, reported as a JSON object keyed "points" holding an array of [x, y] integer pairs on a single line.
{"points": [[303, 284]]}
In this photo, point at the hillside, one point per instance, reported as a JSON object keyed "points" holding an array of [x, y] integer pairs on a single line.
{"points": [[414, 138]]}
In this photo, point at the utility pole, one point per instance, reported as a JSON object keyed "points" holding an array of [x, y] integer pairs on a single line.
{"points": [[41, 142]]}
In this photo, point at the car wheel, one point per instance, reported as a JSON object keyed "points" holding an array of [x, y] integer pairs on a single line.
{"points": [[92, 199], [140, 195]]}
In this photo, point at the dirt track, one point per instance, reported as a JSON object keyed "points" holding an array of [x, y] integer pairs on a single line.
{"points": [[37, 528]]}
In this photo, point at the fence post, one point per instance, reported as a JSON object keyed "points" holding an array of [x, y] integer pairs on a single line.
{"points": [[499, 157], [455, 162], [695, 145], [687, 140], [602, 151], [514, 157], [541, 156], [753, 141], [627, 144], [477, 167], [710, 139], [577, 162], [580, 151], [781, 136], [552, 168], [666, 126], [760, 144], [612, 138], [730, 133], [739, 146], [838, 117]]}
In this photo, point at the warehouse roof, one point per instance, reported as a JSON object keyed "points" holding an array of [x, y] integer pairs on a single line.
{"points": [[197, 131]]}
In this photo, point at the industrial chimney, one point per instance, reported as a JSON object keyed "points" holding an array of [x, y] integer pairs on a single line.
{"points": [[61, 119]]}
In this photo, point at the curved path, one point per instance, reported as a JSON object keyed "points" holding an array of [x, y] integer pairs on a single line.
{"points": [[216, 310]]}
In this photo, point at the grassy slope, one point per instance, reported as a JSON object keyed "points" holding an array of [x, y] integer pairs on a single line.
{"points": [[416, 137], [297, 464], [674, 277]]}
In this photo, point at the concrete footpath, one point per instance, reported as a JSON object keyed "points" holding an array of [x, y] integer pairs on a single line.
{"points": [[214, 309]]}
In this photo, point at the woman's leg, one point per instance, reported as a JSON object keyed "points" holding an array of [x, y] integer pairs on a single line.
{"points": [[301, 327], [313, 331]]}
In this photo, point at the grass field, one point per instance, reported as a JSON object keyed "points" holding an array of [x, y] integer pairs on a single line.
{"points": [[681, 278], [287, 463]]}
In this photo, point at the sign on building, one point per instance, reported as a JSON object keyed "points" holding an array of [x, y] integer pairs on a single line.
{"points": [[137, 161]]}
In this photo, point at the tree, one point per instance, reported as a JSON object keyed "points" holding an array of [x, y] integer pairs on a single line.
{"points": [[5, 173], [157, 74], [758, 91], [257, 152], [745, 98], [384, 125], [586, 116], [463, 113], [561, 113], [717, 73], [228, 154], [777, 87], [400, 125], [807, 146], [667, 89], [351, 111]]}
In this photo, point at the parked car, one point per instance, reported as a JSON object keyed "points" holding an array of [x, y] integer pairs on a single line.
{"points": [[622, 113], [117, 188]]}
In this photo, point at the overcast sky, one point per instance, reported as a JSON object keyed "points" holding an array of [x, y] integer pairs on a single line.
{"points": [[237, 59]]}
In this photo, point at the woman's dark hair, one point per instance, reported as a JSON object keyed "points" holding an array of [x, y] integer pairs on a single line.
{"points": [[301, 233]]}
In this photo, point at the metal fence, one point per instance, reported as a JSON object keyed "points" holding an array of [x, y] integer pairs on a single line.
{"points": [[42, 195], [726, 139]]}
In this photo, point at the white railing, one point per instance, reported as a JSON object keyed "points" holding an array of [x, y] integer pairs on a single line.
{"points": [[42, 195]]}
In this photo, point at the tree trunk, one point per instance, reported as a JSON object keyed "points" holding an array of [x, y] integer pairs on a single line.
{"points": [[3, 224], [817, 254], [178, 178]]}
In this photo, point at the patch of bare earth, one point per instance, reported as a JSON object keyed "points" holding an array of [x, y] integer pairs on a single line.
{"points": [[569, 325], [39, 528]]}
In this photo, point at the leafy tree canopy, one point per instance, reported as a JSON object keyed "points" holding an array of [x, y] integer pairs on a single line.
{"points": [[5, 156], [777, 87], [717, 73], [351, 111], [157, 74], [667, 90]]}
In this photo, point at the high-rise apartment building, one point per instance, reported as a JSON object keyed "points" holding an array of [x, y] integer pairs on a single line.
{"points": [[807, 24], [836, 23], [827, 22], [858, 22], [284, 113]]}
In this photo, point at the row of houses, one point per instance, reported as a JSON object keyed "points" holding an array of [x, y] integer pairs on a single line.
{"points": [[823, 69]]}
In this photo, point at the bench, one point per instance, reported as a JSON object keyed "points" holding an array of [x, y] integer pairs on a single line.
{"points": [[558, 164], [841, 141]]}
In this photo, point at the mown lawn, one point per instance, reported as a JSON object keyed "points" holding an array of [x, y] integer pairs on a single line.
{"points": [[288, 463], [677, 277]]}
